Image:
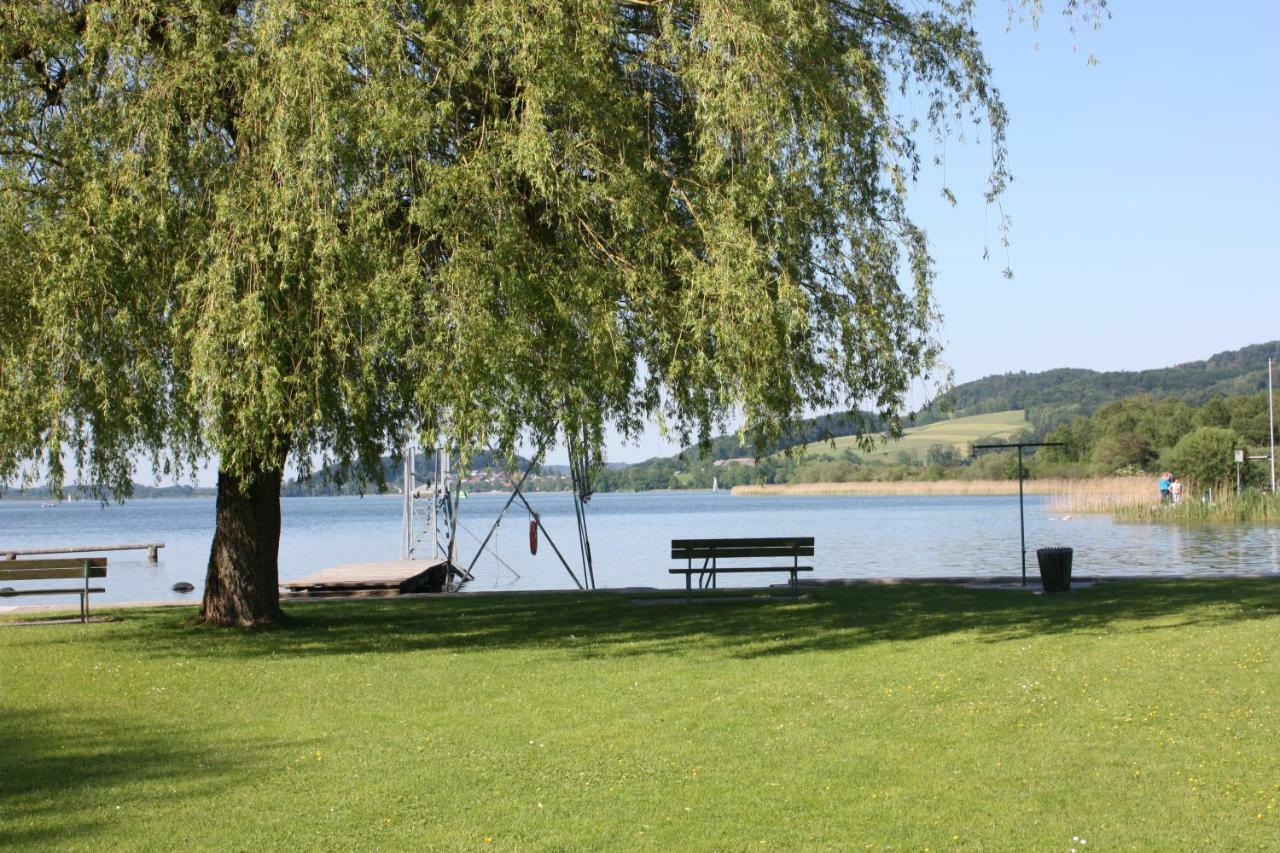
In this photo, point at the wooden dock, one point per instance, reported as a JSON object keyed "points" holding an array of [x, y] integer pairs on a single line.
{"points": [[393, 577], [152, 549]]}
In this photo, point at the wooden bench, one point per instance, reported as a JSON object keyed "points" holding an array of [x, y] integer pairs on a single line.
{"points": [[712, 551], [81, 569]]}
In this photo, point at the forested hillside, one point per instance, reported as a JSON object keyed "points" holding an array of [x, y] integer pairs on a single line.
{"points": [[1054, 397], [1145, 434], [1115, 421], [1050, 398], [809, 431]]}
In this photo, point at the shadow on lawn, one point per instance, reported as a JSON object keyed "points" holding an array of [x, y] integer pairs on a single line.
{"points": [[606, 624], [58, 772]]}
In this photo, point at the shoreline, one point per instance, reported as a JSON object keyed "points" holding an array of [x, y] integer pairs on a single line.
{"points": [[1126, 486], [1139, 488]]}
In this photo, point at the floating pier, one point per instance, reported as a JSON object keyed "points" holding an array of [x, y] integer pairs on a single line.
{"points": [[152, 549], [392, 577]]}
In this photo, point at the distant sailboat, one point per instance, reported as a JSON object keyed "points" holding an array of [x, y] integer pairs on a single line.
{"points": [[715, 484]]}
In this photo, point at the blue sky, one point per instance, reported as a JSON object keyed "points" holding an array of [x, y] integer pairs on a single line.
{"points": [[1145, 230], [1144, 215]]}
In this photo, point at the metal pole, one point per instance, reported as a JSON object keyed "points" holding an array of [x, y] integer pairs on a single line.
{"points": [[1022, 523], [435, 498], [579, 473], [580, 512], [453, 529], [406, 544], [1271, 422], [446, 473]]}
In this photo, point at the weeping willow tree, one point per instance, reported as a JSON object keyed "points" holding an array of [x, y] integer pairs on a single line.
{"points": [[283, 231]]}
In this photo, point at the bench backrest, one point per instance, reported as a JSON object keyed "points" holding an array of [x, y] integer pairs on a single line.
{"points": [[726, 549], [36, 570]]}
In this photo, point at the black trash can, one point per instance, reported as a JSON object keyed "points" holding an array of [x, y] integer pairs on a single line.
{"points": [[1055, 568]]}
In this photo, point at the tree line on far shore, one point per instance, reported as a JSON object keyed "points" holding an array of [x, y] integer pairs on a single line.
{"points": [[1142, 435], [1135, 435]]}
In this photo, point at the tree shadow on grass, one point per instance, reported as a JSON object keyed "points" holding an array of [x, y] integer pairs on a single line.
{"points": [[607, 624], [57, 771]]}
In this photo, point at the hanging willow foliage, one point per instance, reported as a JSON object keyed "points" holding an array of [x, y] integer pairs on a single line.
{"points": [[283, 229]]}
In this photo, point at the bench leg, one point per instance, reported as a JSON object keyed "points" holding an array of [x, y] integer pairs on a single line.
{"points": [[795, 586], [688, 588], [84, 596]]}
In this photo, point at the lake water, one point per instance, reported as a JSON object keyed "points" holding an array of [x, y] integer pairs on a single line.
{"points": [[856, 536]]}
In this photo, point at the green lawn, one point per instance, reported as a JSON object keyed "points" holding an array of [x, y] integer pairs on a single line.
{"points": [[1138, 715], [960, 433]]}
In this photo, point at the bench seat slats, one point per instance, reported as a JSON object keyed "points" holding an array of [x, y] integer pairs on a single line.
{"points": [[63, 590], [698, 570], [727, 549], [737, 553], [745, 542], [36, 574]]}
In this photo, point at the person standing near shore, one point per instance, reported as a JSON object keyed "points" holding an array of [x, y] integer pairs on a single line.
{"points": [[1175, 490], [1164, 487]]}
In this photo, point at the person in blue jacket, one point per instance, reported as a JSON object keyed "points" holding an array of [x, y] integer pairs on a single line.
{"points": [[1164, 487]]}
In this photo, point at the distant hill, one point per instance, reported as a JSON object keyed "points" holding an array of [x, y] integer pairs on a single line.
{"points": [[1049, 398], [808, 431], [1054, 397], [957, 433], [78, 492]]}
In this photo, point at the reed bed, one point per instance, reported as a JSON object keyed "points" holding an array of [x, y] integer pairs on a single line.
{"points": [[1106, 494], [1250, 507], [1103, 495]]}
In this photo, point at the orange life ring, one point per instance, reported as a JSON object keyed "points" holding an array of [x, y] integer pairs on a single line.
{"points": [[533, 536]]}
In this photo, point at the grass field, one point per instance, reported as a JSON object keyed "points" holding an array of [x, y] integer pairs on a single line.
{"points": [[909, 717], [960, 433]]}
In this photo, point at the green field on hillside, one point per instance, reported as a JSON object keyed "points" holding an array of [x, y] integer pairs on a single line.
{"points": [[960, 433]]}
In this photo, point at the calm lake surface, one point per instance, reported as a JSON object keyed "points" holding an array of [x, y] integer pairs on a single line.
{"points": [[857, 536]]}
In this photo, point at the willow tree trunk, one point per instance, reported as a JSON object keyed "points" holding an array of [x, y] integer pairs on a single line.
{"points": [[242, 586]]}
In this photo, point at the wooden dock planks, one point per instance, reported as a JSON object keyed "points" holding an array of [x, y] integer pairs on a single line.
{"points": [[392, 577]]}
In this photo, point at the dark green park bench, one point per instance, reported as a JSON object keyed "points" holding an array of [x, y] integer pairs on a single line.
{"points": [[81, 569], [703, 557]]}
